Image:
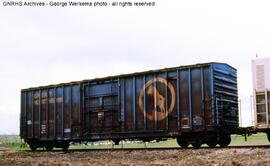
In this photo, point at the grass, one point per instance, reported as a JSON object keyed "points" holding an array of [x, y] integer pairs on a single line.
{"points": [[11, 141], [255, 139], [14, 141]]}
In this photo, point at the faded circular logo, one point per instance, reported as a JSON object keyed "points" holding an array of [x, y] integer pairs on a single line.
{"points": [[159, 99]]}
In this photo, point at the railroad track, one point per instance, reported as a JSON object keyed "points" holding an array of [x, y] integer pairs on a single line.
{"points": [[152, 149]]}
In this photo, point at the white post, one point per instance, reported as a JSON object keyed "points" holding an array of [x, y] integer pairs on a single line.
{"points": [[251, 110], [145, 146], [112, 145], [266, 108], [240, 113], [255, 109]]}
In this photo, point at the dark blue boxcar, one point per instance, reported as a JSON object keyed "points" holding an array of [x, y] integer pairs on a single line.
{"points": [[196, 104]]}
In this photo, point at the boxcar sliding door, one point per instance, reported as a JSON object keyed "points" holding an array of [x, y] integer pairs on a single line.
{"points": [[101, 107]]}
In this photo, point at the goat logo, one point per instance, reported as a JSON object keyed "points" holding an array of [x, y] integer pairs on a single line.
{"points": [[159, 110]]}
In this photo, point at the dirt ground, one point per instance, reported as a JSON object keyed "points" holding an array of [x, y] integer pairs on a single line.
{"points": [[246, 157]]}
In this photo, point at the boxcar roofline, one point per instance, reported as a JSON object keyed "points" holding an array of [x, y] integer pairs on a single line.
{"points": [[125, 75]]}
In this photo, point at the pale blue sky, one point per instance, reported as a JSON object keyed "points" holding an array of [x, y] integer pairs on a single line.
{"points": [[40, 46]]}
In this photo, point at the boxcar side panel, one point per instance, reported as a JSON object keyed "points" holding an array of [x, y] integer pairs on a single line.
{"points": [[59, 112], [51, 113], [129, 121], [43, 125], [67, 112], [23, 115], [139, 113], [184, 99], [75, 112], [207, 106], [29, 114], [171, 99], [36, 113], [149, 104], [196, 98], [160, 102]]}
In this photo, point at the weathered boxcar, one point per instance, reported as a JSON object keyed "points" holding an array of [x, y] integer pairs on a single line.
{"points": [[196, 104]]}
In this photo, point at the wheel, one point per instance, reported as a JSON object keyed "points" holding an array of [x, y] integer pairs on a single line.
{"points": [[196, 145], [49, 147], [182, 142], [212, 141], [65, 146], [33, 147], [116, 141], [225, 140], [212, 144], [268, 135]]}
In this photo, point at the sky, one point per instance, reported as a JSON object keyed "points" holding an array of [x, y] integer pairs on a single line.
{"points": [[48, 45]]}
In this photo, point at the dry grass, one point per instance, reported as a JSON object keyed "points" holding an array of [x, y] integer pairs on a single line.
{"points": [[139, 157]]}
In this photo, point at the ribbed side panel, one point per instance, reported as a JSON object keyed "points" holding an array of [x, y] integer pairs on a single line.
{"points": [[225, 95]]}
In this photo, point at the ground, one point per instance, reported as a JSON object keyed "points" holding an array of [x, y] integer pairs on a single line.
{"points": [[227, 156]]}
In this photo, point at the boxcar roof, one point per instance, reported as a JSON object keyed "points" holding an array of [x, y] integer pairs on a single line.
{"points": [[127, 75]]}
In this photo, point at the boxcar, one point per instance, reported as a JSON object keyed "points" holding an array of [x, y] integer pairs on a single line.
{"points": [[196, 104]]}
